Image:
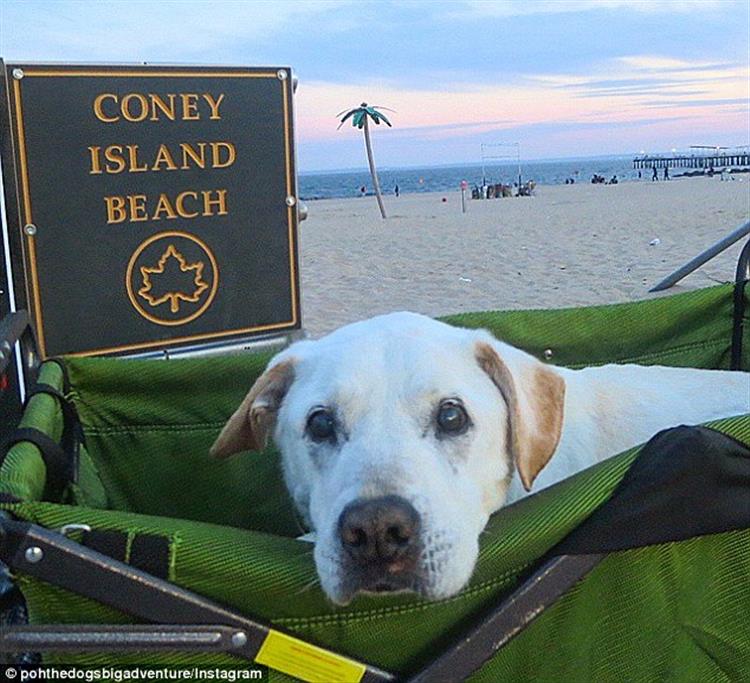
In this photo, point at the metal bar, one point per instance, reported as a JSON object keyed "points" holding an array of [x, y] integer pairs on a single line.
{"points": [[46, 555], [508, 619], [703, 257], [738, 316], [743, 265], [117, 638], [15, 328], [12, 327]]}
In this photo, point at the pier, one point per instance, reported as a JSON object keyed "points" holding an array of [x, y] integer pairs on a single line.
{"points": [[716, 160]]}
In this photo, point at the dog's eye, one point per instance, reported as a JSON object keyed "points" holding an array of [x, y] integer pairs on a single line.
{"points": [[321, 425], [452, 417]]}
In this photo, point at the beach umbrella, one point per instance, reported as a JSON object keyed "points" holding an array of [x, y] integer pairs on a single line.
{"points": [[361, 117]]}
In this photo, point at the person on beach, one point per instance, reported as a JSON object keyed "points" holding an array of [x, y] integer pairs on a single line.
{"points": [[655, 176], [362, 191], [666, 173], [396, 190]]}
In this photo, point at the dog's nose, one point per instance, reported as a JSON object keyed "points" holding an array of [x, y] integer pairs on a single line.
{"points": [[379, 530]]}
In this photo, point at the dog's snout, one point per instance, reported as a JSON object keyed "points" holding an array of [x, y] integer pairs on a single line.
{"points": [[379, 530]]}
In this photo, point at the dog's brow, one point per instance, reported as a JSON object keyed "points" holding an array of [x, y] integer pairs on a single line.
{"points": [[354, 402]]}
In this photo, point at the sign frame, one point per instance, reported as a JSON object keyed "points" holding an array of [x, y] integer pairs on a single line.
{"points": [[22, 260]]}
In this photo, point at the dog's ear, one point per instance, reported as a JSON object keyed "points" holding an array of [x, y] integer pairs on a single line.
{"points": [[534, 394], [252, 422]]}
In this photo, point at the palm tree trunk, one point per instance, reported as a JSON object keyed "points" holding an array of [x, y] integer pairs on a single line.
{"points": [[373, 172]]}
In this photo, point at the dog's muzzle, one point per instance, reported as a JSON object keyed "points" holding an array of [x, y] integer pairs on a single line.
{"points": [[380, 537]]}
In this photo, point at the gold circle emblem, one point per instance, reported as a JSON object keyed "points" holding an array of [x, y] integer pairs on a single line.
{"points": [[172, 278]]}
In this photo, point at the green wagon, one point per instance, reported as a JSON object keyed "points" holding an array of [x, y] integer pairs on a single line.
{"points": [[126, 545]]}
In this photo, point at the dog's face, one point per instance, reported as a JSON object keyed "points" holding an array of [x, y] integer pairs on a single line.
{"points": [[399, 437]]}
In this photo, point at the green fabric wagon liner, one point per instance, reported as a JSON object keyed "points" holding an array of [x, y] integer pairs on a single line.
{"points": [[676, 611]]}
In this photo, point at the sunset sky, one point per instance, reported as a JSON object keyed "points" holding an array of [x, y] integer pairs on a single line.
{"points": [[562, 77]]}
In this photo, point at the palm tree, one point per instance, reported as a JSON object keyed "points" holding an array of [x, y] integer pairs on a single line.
{"points": [[361, 116]]}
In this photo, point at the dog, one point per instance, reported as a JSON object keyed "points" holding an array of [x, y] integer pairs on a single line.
{"points": [[401, 435]]}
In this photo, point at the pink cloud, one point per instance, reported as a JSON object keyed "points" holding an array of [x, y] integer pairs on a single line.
{"points": [[458, 110]]}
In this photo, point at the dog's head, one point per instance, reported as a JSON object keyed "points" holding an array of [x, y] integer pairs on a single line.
{"points": [[399, 437]]}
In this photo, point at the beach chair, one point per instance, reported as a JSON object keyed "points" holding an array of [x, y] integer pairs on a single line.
{"points": [[125, 545]]}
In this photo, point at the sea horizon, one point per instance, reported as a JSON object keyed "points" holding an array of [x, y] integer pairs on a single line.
{"points": [[345, 183], [513, 162], [459, 164]]}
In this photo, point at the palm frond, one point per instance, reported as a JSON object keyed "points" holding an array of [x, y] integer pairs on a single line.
{"points": [[359, 116], [351, 112], [380, 115]]}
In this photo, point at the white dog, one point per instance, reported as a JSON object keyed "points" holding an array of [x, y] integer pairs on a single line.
{"points": [[401, 435]]}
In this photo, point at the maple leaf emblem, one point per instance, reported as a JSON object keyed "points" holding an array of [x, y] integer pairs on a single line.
{"points": [[174, 265]]}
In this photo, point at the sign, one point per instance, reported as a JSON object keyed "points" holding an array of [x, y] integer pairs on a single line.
{"points": [[150, 207]]}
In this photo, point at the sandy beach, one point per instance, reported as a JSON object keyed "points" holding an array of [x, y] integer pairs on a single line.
{"points": [[569, 245]]}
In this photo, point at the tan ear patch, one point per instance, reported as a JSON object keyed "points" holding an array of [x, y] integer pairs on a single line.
{"points": [[548, 396], [248, 428], [535, 398]]}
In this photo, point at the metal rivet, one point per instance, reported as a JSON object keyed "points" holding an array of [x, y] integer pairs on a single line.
{"points": [[33, 554], [548, 353], [18, 74], [281, 75], [30, 229], [291, 201], [239, 639]]}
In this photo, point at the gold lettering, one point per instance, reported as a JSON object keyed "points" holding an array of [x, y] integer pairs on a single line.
{"points": [[163, 206], [115, 209], [133, 156], [96, 167], [137, 208], [138, 107], [180, 204], [99, 112], [189, 151], [221, 201], [163, 156], [158, 103], [216, 155], [189, 106], [214, 104], [125, 107], [113, 153]]}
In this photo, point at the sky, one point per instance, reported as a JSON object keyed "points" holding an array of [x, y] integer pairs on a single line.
{"points": [[563, 78]]}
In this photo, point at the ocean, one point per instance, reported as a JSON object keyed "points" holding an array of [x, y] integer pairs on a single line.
{"points": [[340, 184]]}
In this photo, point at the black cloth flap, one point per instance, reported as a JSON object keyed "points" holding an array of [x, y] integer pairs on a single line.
{"points": [[686, 482]]}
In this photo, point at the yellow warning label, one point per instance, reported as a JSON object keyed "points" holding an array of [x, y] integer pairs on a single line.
{"points": [[307, 662]]}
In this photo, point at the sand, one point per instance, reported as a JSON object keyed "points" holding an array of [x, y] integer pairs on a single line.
{"points": [[569, 245]]}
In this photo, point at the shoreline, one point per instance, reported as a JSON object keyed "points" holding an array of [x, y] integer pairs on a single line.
{"points": [[621, 180]]}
